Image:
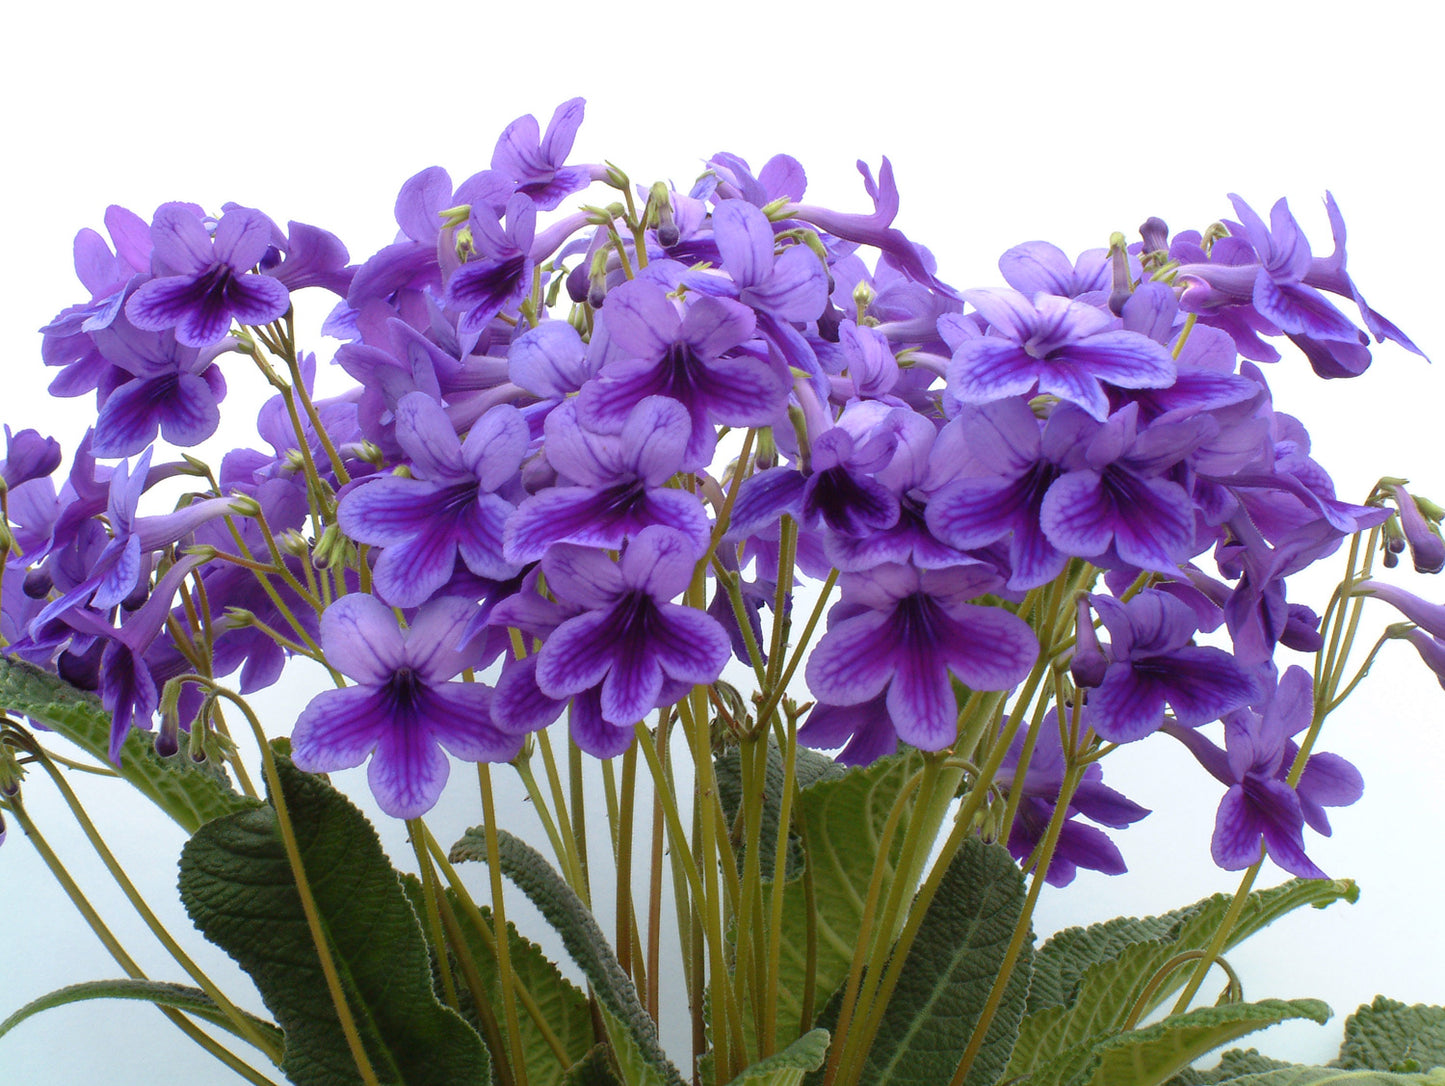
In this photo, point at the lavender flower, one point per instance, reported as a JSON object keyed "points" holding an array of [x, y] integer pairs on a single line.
{"points": [[403, 710], [208, 285], [629, 638]]}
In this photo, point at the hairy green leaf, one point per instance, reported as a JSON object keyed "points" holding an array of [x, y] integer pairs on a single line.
{"points": [[191, 794], [562, 1005], [809, 768], [1334, 1076], [1104, 971], [1233, 1064], [191, 1000], [842, 820], [946, 979], [1152, 1055], [1383, 1035], [787, 1068], [574, 922], [237, 887]]}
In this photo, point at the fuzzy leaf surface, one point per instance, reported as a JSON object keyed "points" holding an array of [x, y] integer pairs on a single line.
{"points": [[190, 794], [950, 969], [237, 887]]}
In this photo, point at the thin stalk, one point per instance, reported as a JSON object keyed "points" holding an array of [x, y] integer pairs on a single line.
{"points": [[776, 695], [484, 932], [303, 889], [772, 972], [194, 971], [577, 873], [430, 892], [654, 909], [499, 919], [112, 944], [1022, 928], [579, 817]]}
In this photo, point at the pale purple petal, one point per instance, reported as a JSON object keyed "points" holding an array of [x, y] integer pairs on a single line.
{"points": [[434, 639], [388, 510], [361, 638], [338, 729], [655, 438], [479, 537], [582, 576], [592, 733], [577, 655], [426, 435], [854, 660], [744, 238], [409, 573], [495, 446], [459, 716], [519, 705], [408, 771]]}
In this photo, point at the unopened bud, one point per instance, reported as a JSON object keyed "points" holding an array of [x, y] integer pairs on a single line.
{"points": [[38, 583], [331, 550], [777, 209], [195, 466], [204, 551], [659, 199], [1122, 286], [1155, 232], [1089, 662], [1427, 549], [863, 295], [293, 543], [455, 216]]}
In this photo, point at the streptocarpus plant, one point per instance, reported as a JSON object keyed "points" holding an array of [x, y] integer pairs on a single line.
{"points": [[617, 467]]}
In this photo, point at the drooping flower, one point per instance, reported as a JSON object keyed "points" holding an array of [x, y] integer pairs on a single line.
{"points": [[207, 286], [1261, 813], [403, 709], [1154, 663], [536, 163]]}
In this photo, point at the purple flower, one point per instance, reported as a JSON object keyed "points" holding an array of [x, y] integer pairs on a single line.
{"points": [[1041, 267], [905, 631], [629, 638], [501, 274], [1261, 813], [1078, 845], [690, 355], [208, 286], [1154, 662], [447, 509], [402, 710], [1052, 345], [534, 163], [621, 484]]}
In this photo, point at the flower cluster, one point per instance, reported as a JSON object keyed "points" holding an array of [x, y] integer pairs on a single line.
{"points": [[590, 453]]}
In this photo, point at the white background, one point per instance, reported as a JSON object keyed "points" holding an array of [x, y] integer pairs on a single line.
{"points": [[1052, 121]]}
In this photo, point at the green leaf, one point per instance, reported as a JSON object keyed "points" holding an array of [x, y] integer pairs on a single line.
{"points": [[562, 1004], [945, 982], [1104, 970], [1064, 958], [191, 794], [594, 1069], [1231, 1065], [191, 1000], [1382, 1035], [843, 821], [1150, 1056], [809, 768], [237, 887], [1334, 1076], [584, 940], [787, 1068]]}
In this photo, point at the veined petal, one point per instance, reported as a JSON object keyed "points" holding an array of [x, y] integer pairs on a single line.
{"points": [[744, 238], [518, 704], [1202, 683], [1122, 358], [633, 684], [1127, 705], [410, 572], [338, 729], [690, 644], [594, 734], [425, 433], [459, 716], [1294, 307], [479, 535], [990, 368], [389, 510], [434, 646], [361, 638], [577, 655], [408, 771], [1237, 831], [854, 660]]}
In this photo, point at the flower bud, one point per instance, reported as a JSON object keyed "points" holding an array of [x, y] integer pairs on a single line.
{"points": [[1155, 232], [1122, 286], [660, 202], [38, 583], [1427, 549], [1089, 662]]}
